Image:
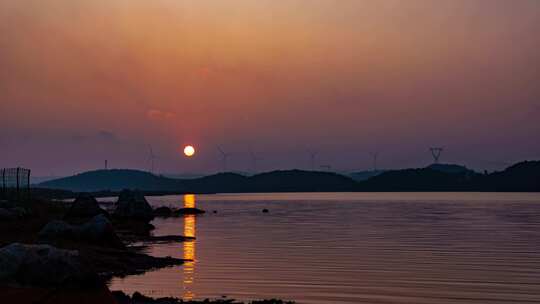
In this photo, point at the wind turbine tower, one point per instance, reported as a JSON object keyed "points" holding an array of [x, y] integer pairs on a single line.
{"points": [[312, 157], [224, 158], [375, 157], [151, 157], [254, 159]]}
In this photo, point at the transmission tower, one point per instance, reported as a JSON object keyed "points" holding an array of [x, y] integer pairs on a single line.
{"points": [[436, 153]]}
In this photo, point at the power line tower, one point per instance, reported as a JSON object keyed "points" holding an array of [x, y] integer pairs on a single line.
{"points": [[436, 153], [106, 165]]}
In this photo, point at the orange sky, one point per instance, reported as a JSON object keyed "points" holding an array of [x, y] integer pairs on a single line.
{"points": [[85, 80]]}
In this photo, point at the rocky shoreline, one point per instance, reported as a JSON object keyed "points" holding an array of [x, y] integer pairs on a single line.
{"points": [[57, 252]]}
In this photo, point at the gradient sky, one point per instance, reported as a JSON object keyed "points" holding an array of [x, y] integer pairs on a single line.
{"points": [[88, 80]]}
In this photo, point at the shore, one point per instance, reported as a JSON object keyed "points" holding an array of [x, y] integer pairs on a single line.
{"points": [[101, 246]]}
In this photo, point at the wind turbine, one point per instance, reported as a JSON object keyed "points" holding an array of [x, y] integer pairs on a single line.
{"points": [[312, 156], [254, 159], [225, 156], [151, 157], [375, 156]]}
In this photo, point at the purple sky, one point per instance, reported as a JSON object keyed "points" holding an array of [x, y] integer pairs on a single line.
{"points": [[89, 80]]}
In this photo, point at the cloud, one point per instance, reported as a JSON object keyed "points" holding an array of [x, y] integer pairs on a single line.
{"points": [[107, 135], [159, 114], [77, 138]]}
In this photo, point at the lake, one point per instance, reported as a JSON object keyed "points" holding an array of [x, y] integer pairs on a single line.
{"points": [[351, 248]]}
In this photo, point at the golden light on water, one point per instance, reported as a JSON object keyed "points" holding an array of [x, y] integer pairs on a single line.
{"points": [[189, 151], [189, 249], [189, 201]]}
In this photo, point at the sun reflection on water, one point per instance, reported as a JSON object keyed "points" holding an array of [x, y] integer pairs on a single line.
{"points": [[189, 249]]}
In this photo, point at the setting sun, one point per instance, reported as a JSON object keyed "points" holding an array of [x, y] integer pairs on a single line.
{"points": [[189, 151]]}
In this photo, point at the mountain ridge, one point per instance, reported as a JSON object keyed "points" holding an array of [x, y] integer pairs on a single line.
{"points": [[523, 176]]}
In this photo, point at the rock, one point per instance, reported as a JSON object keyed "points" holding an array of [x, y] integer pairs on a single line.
{"points": [[168, 212], [98, 230], [168, 239], [19, 211], [101, 231], [7, 215], [163, 212], [12, 214], [85, 206], [133, 205], [55, 230], [42, 265], [189, 211], [7, 204]]}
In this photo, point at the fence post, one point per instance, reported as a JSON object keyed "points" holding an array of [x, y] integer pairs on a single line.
{"points": [[4, 181], [28, 184], [17, 178]]}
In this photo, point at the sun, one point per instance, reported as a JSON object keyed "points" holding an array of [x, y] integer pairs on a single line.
{"points": [[189, 151]]}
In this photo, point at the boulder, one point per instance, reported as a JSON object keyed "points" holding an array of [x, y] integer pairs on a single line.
{"points": [[11, 214], [7, 215], [41, 265], [163, 212], [168, 212], [55, 230], [189, 211], [7, 204], [84, 206], [98, 230], [133, 206]]}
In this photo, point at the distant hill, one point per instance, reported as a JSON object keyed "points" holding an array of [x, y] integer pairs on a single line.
{"points": [[277, 181], [113, 180], [365, 175], [524, 176], [300, 181], [424, 179], [521, 177], [451, 168]]}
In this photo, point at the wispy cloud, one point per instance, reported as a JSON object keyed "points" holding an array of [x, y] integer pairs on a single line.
{"points": [[160, 114]]}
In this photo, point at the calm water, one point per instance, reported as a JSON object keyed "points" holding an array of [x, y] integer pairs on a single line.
{"points": [[352, 248]]}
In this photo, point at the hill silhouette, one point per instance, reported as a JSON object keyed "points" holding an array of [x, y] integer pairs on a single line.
{"points": [[524, 176], [113, 180], [365, 175], [424, 179], [451, 168], [277, 181]]}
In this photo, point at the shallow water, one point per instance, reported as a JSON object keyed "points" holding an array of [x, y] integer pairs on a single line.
{"points": [[352, 248]]}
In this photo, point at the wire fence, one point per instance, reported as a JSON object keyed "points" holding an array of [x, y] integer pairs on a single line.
{"points": [[15, 183]]}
